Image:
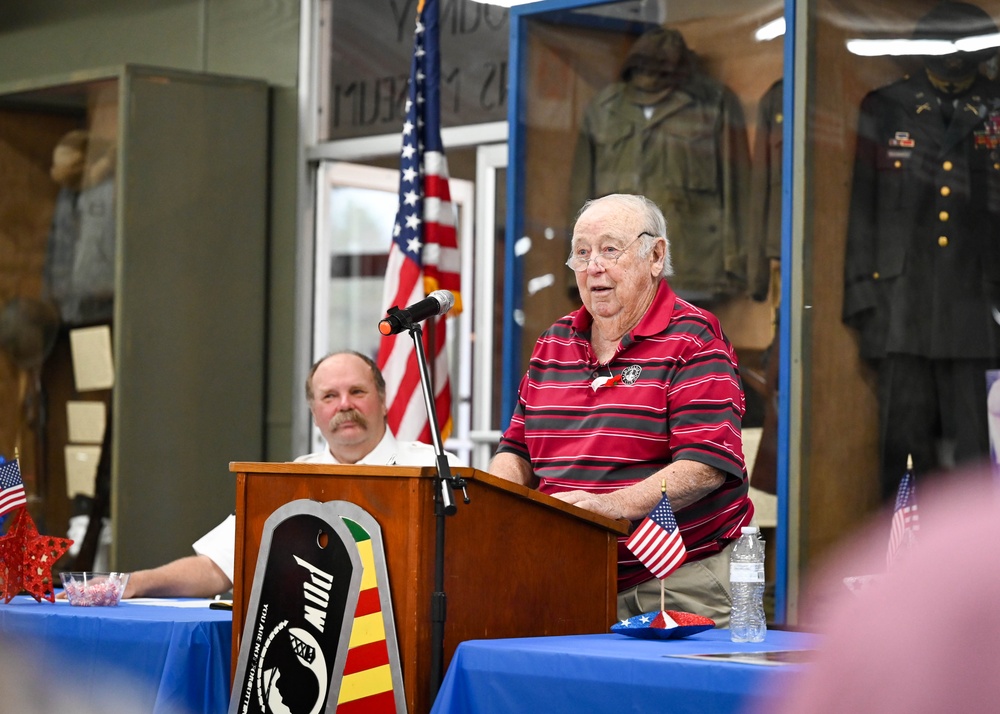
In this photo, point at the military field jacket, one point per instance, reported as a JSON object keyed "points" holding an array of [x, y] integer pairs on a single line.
{"points": [[691, 157]]}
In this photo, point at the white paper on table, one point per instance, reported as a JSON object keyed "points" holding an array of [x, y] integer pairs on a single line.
{"points": [[166, 602]]}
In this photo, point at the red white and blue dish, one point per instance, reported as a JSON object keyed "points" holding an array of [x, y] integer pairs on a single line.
{"points": [[663, 625]]}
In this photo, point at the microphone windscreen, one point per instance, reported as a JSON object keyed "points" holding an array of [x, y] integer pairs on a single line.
{"points": [[445, 298]]}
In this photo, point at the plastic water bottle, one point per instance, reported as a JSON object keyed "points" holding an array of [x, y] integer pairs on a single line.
{"points": [[747, 622]]}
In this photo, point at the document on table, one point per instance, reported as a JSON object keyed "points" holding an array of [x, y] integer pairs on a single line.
{"points": [[772, 659], [167, 602]]}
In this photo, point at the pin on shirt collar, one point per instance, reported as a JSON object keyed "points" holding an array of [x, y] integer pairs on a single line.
{"points": [[605, 382], [628, 377]]}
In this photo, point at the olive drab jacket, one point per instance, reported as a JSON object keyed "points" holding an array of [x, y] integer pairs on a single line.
{"points": [[764, 233], [922, 263], [691, 157]]}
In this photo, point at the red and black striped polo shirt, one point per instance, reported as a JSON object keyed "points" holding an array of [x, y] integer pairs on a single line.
{"points": [[671, 392]]}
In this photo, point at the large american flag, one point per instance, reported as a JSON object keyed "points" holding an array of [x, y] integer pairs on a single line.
{"points": [[424, 252], [11, 486], [657, 542], [905, 521]]}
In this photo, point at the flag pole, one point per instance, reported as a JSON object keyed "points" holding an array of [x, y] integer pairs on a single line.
{"points": [[423, 255], [663, 581]]}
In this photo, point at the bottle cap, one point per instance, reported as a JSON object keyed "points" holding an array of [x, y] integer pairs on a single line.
{"points": [[749, 530]]}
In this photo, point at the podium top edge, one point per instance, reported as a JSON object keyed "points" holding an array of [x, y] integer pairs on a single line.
{"points": [[301, 468], [306, 467]]}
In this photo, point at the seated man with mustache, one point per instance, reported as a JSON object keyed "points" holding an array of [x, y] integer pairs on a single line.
{"points": [[346, 394]]}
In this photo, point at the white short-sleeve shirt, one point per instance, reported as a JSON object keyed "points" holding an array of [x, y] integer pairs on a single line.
{"points": [[219, 544]]}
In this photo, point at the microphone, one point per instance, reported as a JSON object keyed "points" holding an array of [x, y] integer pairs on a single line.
{"points": [[437, 303]]}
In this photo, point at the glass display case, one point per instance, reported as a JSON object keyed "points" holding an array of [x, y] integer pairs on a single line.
{"points": [[865, 187], [61, 282], [133, 232], [893, 316], [678, 101]]}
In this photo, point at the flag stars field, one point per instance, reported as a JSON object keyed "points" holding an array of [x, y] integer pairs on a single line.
{"points": [[657, 542]]}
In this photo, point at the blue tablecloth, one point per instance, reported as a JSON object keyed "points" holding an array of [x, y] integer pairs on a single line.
{"points": [[170, 658], [615, 674]]}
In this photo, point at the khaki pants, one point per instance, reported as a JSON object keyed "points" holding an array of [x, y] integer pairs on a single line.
{"points": [[701, 587]]}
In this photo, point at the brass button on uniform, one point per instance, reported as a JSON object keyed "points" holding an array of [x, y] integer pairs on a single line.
{"points": [[897, 163], [943, 241], [875, 275], [945, 191], [947, 166], [943, 215]]}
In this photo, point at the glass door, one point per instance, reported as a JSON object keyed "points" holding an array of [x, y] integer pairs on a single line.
{"points": [[356, 207], [491, 207]]}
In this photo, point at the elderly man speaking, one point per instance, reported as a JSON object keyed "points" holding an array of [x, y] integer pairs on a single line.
{"points": [[636, 389]]}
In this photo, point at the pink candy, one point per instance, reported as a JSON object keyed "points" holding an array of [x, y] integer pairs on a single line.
{"points": [[94, 593]]}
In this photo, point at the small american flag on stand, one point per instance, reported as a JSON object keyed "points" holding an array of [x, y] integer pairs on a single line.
{"points": [[905, 521], [11, 486], [424, 253], [657, 542]]}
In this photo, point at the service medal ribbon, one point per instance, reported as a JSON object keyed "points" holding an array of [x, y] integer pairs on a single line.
{"points": [[988, 137], [902, 139]]}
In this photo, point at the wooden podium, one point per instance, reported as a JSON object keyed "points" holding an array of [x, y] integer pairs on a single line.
{"points": [[518, 563]]}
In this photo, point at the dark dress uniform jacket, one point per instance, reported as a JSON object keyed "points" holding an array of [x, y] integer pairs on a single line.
{"points": [[922, 266], [691, 157]]}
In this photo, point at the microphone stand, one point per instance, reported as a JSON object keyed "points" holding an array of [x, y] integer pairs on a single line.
{"points": [[444, 505]]}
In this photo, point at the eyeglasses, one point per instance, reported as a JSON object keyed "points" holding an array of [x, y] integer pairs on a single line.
{"points": [[607, 256]]}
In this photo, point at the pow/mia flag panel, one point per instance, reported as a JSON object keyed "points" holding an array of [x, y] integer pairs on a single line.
{"points": [[298, 626]]}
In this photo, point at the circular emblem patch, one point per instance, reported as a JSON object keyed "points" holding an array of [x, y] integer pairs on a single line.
{"points": [[630, 375]]}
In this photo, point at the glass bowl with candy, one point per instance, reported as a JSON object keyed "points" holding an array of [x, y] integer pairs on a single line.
{"points": [[89, 589]]}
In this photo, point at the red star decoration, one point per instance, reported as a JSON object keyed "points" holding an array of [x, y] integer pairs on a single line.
{"points": [[26, 559]]}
